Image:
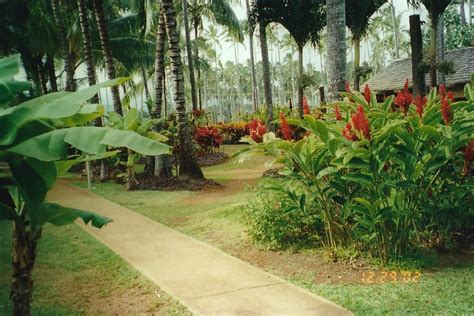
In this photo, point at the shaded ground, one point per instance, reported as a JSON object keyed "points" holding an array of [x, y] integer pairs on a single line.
{"points": [[75, 274], [215, 216]]}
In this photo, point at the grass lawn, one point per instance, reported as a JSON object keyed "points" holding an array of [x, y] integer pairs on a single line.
{"points": [[76, 275], [215, 217]]}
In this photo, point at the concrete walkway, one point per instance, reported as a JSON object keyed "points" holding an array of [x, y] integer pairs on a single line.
{"points": [[203, 278]]}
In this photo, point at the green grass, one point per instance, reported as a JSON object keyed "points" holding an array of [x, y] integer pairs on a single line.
{"points": [[76, 275], [448, 291]]}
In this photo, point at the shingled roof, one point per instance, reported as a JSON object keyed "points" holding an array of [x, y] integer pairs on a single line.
{"points": [[393, 76]]}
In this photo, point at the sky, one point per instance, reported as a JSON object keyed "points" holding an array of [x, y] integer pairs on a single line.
{"points": [[310, 55]]}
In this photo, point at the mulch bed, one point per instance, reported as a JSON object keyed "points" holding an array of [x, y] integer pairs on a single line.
{"points": [[144, 182], [211, 159]]}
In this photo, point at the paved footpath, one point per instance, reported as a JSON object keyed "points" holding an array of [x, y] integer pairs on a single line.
{"points": [[203, 278]]}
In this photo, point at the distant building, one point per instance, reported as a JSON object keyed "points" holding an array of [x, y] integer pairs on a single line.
{"points": [[391, 79]]}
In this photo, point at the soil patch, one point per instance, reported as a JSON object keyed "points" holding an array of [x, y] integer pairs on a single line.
{"points": [[212, 159], [145, 182]]}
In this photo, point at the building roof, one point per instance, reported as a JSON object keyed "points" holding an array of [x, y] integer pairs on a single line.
{"points": [[393, 76]]}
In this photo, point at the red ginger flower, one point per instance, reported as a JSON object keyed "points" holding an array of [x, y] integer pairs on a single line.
{"points": [[285, 128], [347, 87], [367, 93], [361, 122], [446, 99], [338, 113], [420, 103], [468, 157], [348, 133], [306, 110], [404, 99]]}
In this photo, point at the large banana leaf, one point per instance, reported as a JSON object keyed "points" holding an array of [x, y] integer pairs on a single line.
{"points": [[9, 88], [58, 105], [53, 145]]}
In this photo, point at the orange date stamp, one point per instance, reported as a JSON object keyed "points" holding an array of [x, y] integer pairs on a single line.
{"points": [[380, 277]]}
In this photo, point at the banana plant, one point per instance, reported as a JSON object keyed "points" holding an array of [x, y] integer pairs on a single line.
{"points": [[34, 140], [131, 121]]}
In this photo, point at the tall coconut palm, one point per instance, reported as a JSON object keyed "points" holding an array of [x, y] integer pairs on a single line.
{"points": [[189, 53], [267, 86], [435, 10], [219, 12], [188, 165], [252, 62], [358, 14], [107, 51], [303, 19], [336, 47], [68, 64], [87, 49]]}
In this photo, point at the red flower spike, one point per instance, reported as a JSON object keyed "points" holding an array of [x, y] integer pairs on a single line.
{"points": [[367, 93], [361, 123], [338, 113], [420, 103], [404, 98], [468, 157], [306, 110], [256, 130], [347, 87], [285, 128], [348, 133], [446, 111], [442, 90]]}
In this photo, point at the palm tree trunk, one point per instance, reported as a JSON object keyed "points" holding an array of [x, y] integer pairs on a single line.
{"points": [[24, 254], [145, 82], [87, 49], [440, 48], [51, 73], [41, 74], [433, 51], [463, 12], [68, 66], [187, 159], [395, 30], [356, 63], [252, 64], [198, 68], [416, 42], [300, 80], [189, 51], [336, 38], [107, 51], [266, 76]]}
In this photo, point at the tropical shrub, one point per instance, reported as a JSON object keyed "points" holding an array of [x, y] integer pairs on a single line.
{"points": [[233, 132], [278, 219], [207, 137], [34, 140], [385, 178]]}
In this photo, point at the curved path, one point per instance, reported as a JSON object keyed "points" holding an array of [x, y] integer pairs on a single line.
{"points": [[205, 279]]}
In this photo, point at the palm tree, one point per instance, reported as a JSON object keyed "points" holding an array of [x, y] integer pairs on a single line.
{"points": [[68, 65], [188, 165], [252, 62], [303, 19], [358, 13], [435, 9], [192, 79], [107, 52], [267, 87], [336, 47], [217, 11]]}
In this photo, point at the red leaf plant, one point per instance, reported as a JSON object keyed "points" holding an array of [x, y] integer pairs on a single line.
{"points": [[367, 93], [306, 109], [257, 130], [285, 128], [358, 122], [404, 98], [208, 137], [468, 157]]}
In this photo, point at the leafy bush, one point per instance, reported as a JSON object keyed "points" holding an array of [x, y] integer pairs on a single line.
{"points": [[387, 177], [232, 132], [278, 219], [208, 137]]}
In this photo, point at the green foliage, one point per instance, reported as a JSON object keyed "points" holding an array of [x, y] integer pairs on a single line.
{"points": [[9, 89], [278, 216], [394, 185], [457, 34]]}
